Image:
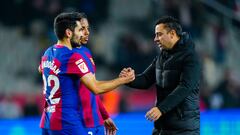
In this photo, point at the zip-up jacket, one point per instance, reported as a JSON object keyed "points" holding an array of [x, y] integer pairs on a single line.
{"points": [[176, 75]]}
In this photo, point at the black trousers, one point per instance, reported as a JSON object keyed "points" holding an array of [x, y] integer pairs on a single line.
{"points": [[183, 132]]}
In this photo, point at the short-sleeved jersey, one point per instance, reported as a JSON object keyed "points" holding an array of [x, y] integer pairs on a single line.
{"points": [[91, 108], [61, 70]]}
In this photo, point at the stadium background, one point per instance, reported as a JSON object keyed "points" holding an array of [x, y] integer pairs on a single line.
{"points": [[122, 33]]}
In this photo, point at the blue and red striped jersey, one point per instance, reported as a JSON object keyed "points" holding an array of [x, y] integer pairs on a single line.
{"points": [[61, 70], [91, 108]]}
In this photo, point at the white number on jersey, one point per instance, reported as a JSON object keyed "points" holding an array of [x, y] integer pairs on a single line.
{"points": [[47, 83], [90, 133]]}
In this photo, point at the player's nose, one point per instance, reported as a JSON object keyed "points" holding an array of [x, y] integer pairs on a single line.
{"points": [[87, 32]]}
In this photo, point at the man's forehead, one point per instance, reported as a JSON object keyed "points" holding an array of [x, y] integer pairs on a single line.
{"points": [[160, 28], [82, 23], [78, 23]]}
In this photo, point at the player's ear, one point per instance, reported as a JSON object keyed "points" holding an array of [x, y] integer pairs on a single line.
{"points": [[68, 33]]}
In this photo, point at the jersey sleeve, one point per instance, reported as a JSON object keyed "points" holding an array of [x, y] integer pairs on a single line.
{"points": [[77, 65]]}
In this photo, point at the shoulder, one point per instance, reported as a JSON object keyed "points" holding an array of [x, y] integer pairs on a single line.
{"points": [[86, 50], [48, 50], [76, 55], [191, 57], [78, 51]]}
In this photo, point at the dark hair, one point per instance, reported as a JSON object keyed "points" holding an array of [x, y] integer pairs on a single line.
{"points": [[171, 23], [66, 21]]}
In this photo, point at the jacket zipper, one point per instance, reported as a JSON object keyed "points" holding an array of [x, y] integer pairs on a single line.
{"points": [[162, 70], [163, 80]]}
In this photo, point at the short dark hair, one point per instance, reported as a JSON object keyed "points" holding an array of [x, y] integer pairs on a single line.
{"points": [[66, 21], [171, 23]]}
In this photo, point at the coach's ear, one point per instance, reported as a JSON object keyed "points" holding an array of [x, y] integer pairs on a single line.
{"points": [[68, 33]]}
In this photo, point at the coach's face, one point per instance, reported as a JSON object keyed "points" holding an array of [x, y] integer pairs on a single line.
{"points": [[163, 37]]}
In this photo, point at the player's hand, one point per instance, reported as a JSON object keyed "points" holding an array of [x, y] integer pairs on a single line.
{"points": [[39, 69], [111, 128], [154, 114], [127, 75], [126, 71]]}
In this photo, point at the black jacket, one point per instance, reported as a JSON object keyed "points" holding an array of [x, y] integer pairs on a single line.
{"points": [[176, 73]]}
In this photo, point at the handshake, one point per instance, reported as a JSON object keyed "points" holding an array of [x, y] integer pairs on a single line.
{"points": [[127, 75]]}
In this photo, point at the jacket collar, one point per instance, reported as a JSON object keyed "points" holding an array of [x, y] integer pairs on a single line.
{"points": [[185, 42]]}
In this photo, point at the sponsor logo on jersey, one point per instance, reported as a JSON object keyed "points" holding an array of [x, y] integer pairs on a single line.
{"points": [[79, 61], [82, 66]]}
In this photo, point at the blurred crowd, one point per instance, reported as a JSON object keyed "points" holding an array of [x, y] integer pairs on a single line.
{"points": [[121, 35]]}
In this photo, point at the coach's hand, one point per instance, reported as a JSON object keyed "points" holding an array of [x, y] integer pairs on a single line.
{"points": [[111, 128], [127, 75], [154, 114], [127, 72]]}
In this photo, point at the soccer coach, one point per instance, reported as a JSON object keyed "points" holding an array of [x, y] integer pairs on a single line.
{"points": [[176, 74]]}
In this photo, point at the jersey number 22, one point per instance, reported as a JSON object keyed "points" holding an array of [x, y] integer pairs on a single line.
{"points": [[55, 87]]}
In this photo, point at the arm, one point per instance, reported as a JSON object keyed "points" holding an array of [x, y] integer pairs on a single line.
{"points": [[77, 65], [102, 109], [189, 82], [99, 87], [110, 126], [145, 79]]}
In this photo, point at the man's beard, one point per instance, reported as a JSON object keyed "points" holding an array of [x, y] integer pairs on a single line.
{"points": [[74, 44]]}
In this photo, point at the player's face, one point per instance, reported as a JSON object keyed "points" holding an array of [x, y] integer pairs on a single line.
{"points": [[81, 33], [163, 37], [84, 31]]}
